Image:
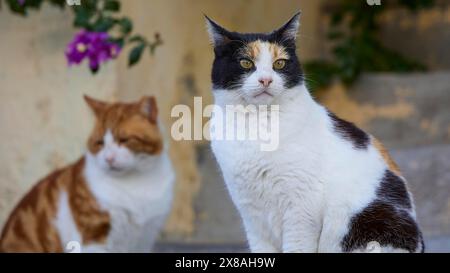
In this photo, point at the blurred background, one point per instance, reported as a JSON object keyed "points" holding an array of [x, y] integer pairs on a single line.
{"points": [[384, 67]]}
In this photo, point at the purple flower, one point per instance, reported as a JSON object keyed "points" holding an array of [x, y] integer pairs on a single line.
{"points": [[21, 2], [94, 46]]}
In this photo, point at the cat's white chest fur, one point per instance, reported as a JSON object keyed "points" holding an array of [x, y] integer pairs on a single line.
{"points": [[263, 186], [137, 204]]}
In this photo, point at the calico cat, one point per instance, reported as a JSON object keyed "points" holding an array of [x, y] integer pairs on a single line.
{"points": [[329, 187], [114, 199]]}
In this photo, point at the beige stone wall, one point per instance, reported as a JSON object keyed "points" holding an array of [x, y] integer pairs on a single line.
{"points": [[43, 120]]}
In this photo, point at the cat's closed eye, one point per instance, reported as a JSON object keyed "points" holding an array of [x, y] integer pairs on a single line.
{"points": [[99, 142], [124, 140]]}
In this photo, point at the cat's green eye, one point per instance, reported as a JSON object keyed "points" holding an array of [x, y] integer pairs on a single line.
{"points": [[279, 64], [245, 63]]}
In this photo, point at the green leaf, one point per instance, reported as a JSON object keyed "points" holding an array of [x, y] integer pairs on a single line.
{"points": [[118, 41], [112, 5], [82, 18], [126, 25], [104, 24], [135, 54], [136, 38]]}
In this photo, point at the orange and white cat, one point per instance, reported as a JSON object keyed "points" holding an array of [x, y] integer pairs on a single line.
{"points": [[114, 199]]}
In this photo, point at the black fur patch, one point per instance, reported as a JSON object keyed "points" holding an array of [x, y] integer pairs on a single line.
{"points": [[226, 71], [386, 220], [350, 132], [393, 190]]}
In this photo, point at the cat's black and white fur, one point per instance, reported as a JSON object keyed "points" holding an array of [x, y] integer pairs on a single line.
{"points": [[329, 187]]}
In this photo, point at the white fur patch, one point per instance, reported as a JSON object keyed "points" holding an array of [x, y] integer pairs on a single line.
{"points": [[65, 224]]}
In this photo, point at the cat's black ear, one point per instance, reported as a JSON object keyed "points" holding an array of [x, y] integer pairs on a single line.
{"points": [[288, 32], [148, 107], [217, 34], [97, 106]]}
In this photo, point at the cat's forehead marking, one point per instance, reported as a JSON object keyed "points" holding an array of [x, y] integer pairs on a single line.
{"points": [[116, 115], [253, 50]]}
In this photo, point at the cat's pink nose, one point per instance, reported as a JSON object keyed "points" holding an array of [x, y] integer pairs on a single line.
{"points": [[110, 159], [265, 81]]}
